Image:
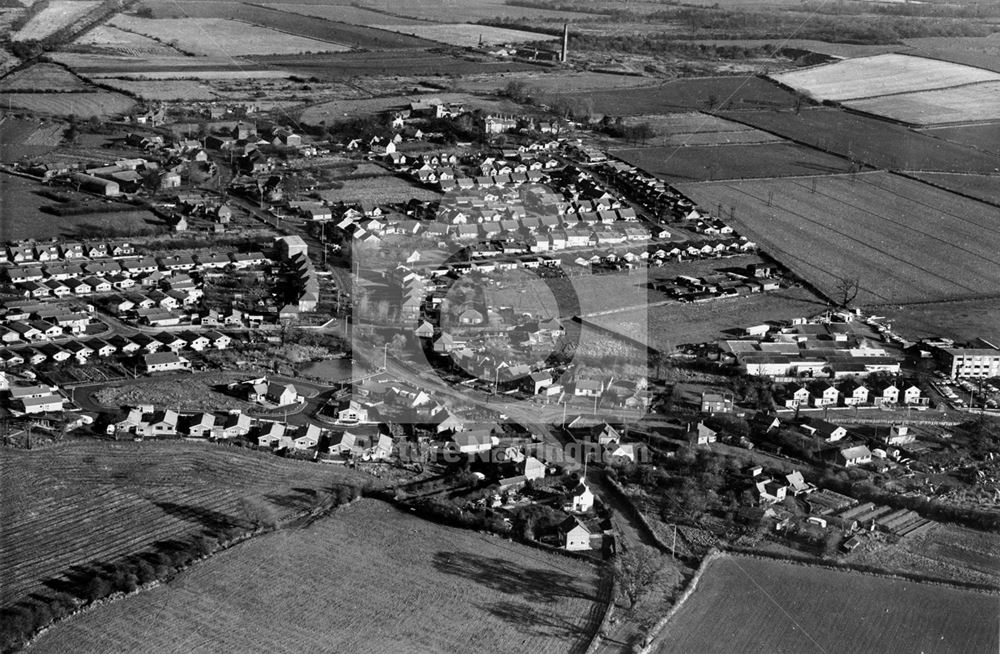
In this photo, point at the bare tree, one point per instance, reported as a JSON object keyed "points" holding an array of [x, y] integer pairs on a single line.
{"points": [[847, 290]]}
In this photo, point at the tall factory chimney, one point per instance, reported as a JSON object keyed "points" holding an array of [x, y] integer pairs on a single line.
{"points": [[565, 43]]}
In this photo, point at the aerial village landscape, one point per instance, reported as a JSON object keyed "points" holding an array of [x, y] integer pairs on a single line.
{"points": [[500, 326]]}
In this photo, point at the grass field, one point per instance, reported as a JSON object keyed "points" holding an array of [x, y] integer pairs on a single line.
{"points": [[869, 140], [30, 222], [904, 240], [449, 11], [981, 51], [164, 89], [22, 137], [752, 605], [699, 163], [86, 502], [353, 36], [963, 320], [117, 40], [671, 325], [879, 75], [973, 102], [56, 15], [336, 67], [82, 105], [465, 35], [339, 586], [343, 13], [732, 93], [189, 394], [984, 187], [380, 189], [43, 77], [980, 137], [693, 128], [221, 37]]}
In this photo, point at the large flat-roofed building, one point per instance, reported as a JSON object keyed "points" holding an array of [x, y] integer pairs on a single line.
{"points": [[982, 360]]}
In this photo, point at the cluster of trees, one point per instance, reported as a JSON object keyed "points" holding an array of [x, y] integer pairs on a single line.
{"points": [[691, 484], [440, 509], [617, 128]]}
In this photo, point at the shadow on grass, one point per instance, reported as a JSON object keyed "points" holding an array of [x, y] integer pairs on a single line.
{"points": [[542, 585], [530, 621], [207, 518]]}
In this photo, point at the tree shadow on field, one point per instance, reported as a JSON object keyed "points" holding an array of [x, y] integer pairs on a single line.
{"points": [[207, 518], [298, 499], [533, 584], [530, 621]]}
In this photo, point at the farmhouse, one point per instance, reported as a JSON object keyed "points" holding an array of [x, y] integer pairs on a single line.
{"points": [[573, 535]]}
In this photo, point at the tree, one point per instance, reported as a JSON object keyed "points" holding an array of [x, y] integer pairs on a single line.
{"points": [[635, 569], [847, 290]]}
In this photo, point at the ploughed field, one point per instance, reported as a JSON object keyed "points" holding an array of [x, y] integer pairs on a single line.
{"points": [[752, 605], [904, 241], [369, 578], [86, 503]]}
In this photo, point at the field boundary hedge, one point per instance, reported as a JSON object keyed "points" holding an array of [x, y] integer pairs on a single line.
{"points": [[655, 630]]}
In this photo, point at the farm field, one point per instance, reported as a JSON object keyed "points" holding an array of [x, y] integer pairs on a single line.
{"points": [[25, 138], [351, 36], [449, 11], [172, 66], [693, 128], [698, 163], [116, 40], [904, 240], [29, 221], [221, 37], [465, 35], [981, 51], [886, 74], [768, 605], [83, 105], [543, 82], [961, 320], [984, 187], [337, 67], [163, 89], [868, 140], [85, 502], [56, 15], [462, 591], [674, 324], [980, 137], [735, 93], [970, 103], [343, 13], [43, 77]]}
